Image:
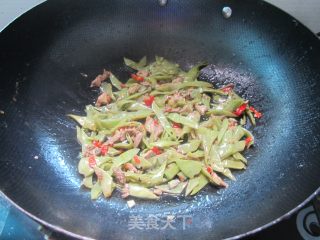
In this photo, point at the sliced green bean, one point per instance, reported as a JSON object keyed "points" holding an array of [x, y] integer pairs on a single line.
{"points": [[87, 182], [125, 157], [115, 82], [251, 117], [189, 168], [175, 117], [96, 191], [163, 131], [107, 184], [224, 127], [239, 156], [163, 120], [229, 163], [135, 65], [191, 146], [207, 138], [176, 190], [193, 73], [171, 171], [202, 182], [139, 191]]}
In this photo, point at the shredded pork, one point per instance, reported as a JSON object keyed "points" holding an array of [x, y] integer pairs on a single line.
{"points": [[100, 78], [103, 99]]}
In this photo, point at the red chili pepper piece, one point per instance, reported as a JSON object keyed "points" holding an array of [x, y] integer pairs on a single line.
{"points": [[92, 161], [228, 88], [239, 111], [156, 150], [104, 150], [123, 85], [176, 125], [136, 159], [248, 140], [96, 143], [256, 113], [155, 121], [137, 78], [148, 100], [209, 169]]}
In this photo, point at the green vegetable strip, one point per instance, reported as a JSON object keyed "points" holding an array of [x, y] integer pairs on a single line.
{"points": [[190, 146], [171, 171], [207, 138], [135, 65], [125, 157], [191, 185], [163, 120], [87, 182], [115, 82], [202, 182], [251, 117], [183, 120], [176, 190], [164, 144], [107, 184], [223, 129], [138, 191], [189, 168], [221, 112], [162, 132], [193, 73], [172, 86], [239, 156], [96, 191]]}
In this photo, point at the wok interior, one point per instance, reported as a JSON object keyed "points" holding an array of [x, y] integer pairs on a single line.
{"points": [[273, 63]]}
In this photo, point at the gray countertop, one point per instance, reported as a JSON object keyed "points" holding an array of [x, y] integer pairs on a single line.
{"points": [[306, 11]]}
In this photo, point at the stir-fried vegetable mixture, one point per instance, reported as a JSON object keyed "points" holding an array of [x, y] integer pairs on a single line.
{"points": [[162, 132]]}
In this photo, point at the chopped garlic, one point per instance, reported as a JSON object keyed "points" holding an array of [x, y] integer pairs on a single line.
{"points": [[131, 203]]}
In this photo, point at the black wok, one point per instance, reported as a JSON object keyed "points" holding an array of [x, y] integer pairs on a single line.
{"points": [[273, 60]]}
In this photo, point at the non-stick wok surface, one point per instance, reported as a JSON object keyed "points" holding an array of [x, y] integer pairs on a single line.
{"points": [[273, 60]]}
